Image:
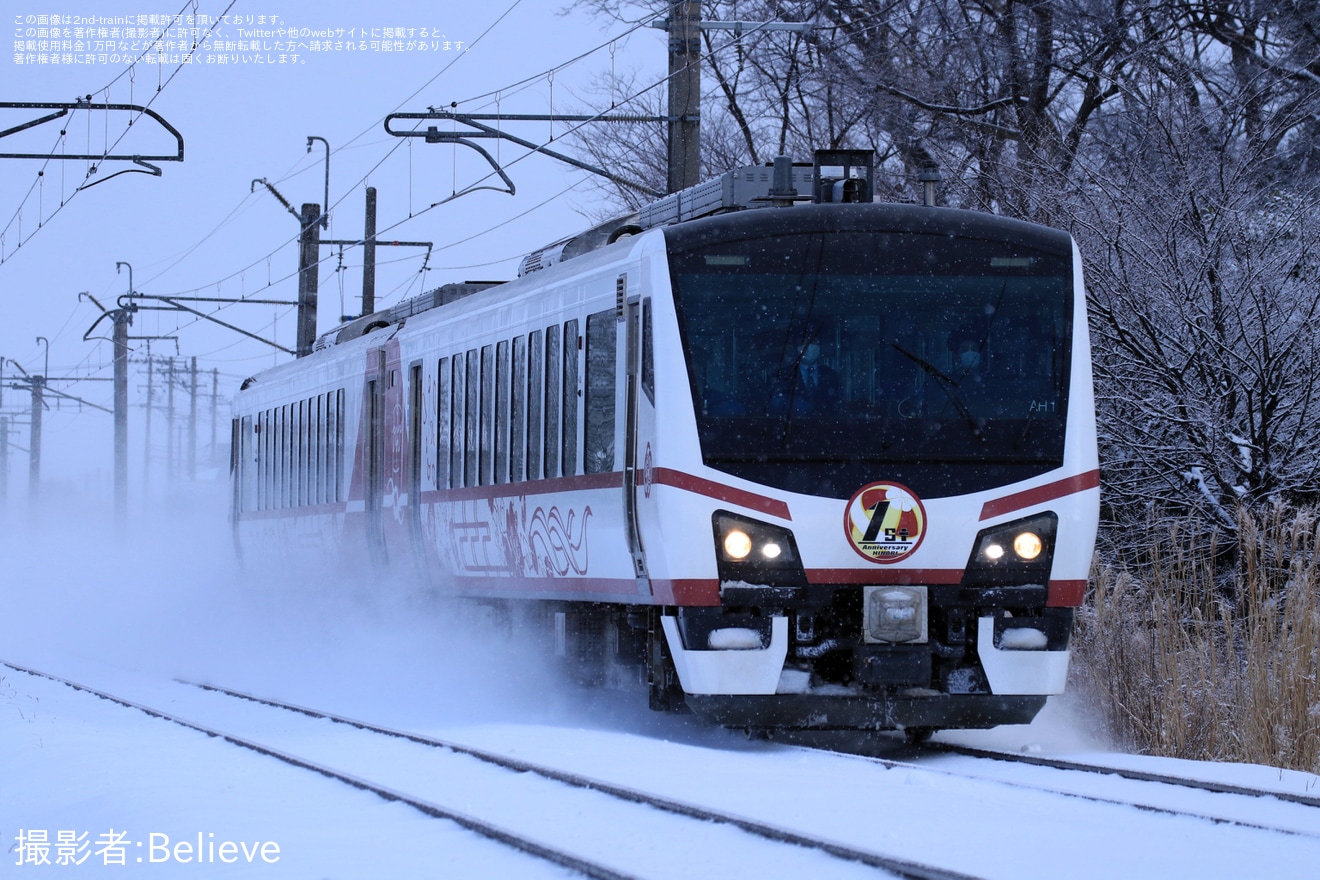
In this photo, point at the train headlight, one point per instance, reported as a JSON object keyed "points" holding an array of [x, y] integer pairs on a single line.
{"points": [[755, 552], [737, 545], [1019, 552], [1027, 545]]}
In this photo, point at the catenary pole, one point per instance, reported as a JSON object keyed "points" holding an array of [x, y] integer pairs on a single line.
{"points": [[369, 255], [169, 425], [684, 27], [34, 444], [122, 318], [192, 421], [308, 262]]}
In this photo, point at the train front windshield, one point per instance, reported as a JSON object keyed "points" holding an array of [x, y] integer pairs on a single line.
{"points": [[821, 361]]}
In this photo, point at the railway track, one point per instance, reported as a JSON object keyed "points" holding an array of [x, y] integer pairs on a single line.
{"points": [[1126, 773], [1150, 792], [781, 848], [1307, 826]]}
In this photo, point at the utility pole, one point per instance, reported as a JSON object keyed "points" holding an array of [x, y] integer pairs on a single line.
{"points": [[684, 28], [122, 318], [369, 255], [215, 397], [169, 424], [684, 25], [34, 443], [151, 403], [309, 258], [192, 423]]}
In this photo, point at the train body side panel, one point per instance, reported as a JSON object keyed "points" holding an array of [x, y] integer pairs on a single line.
{"points": [[497, 530]]}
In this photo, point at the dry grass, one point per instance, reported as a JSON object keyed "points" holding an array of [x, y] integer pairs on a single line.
{"points": [[1186, 658]]}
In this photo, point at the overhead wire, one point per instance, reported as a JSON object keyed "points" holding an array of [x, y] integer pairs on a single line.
{"points": [[109, 148], [415, 214], [350, 144]]}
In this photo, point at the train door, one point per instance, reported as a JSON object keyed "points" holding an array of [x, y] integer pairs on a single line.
{"points": [[418, 416], [373, 452], [641, 447], [632, 384]]}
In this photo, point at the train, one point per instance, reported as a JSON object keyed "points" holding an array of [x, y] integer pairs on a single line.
{"points": [[787, 456]]}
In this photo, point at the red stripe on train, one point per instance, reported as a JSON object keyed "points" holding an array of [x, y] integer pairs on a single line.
{"points": [[885, 576], [1066, 594], [1040, 494], [721, 492], [686, 591]]}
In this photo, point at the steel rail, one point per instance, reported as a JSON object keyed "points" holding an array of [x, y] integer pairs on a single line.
{"points": [[485, 829], [901, 867], [1135, 775]]}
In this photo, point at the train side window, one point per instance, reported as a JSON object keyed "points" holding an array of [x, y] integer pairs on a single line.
{"points": [[299, 453], [308, 472], [458, 428], [486, 444], [415, 440], [443, 426], [648, 353], [309, 450], [261, 459], [250, 463], [325, 432], [292, 426], [472, 441], [282, 458], [337, 431], [426, 413], [236, 447], [268, 448], [312, 447], [571, 347], [276, 469], [313, 450], [535, 400], [295, 453], [268, 459], [602, 356], [518, 411], [277, 448], [310, 440], [323, 448], [553, 372], [291, 453], [502, 412]]}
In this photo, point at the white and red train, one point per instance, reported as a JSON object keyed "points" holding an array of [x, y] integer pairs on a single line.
{"points": [[795, 465]]}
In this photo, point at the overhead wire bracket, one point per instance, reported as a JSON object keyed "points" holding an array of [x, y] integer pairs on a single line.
{"points": [[62, 109], [433, 135]]}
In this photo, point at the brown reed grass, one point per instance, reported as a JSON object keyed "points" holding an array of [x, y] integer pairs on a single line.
{"points": [[1187, 657]]}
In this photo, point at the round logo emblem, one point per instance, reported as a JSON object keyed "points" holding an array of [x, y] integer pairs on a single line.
{"points": [[885, 522]]}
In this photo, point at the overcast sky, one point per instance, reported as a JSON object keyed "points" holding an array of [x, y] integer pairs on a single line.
{"points": [[245, 112]]}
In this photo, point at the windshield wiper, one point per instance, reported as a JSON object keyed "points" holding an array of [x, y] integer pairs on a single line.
{"points": [[947, 384]]}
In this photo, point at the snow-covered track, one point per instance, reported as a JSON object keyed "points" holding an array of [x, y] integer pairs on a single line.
{"points": [[500, 835], [1148, 792], [1125, 773], [896, 866]]}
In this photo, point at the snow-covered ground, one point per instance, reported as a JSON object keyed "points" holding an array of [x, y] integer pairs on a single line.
{"points": [[129, 610]]}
